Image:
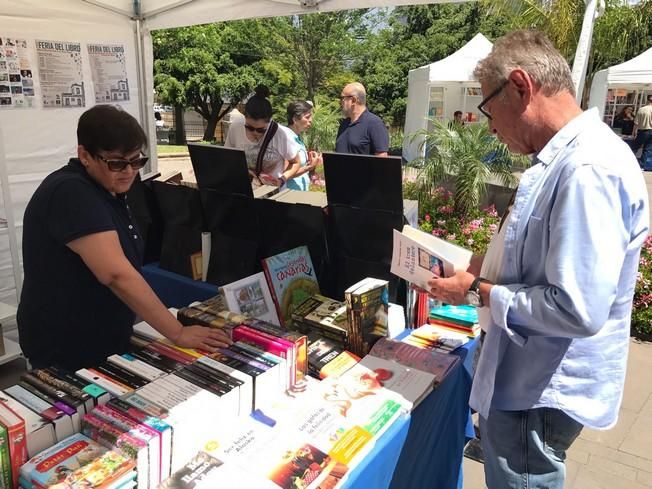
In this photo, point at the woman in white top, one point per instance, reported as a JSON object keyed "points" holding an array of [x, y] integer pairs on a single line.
{"points": [[300, 120], [280, 161]]}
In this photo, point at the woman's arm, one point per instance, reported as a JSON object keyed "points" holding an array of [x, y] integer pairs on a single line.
{"points": [[292, 168], [103, 255]]}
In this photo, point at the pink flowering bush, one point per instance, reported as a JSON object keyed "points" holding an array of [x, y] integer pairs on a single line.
{"points": [[642, 309], [437, 216]]}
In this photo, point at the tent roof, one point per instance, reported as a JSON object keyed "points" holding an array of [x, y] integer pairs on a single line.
{"points": [[636, 70], [459, 66]]}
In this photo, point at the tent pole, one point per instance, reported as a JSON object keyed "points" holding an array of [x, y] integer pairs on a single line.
{"points": [[594, 9], [140, 69], [108, 7], [11, 223]]}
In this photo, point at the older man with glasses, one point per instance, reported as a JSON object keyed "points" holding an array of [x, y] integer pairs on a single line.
{"points": [[361, 131], [555, 288]]}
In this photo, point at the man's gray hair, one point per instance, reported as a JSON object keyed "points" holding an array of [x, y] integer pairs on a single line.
{"points": [[531, 51]]}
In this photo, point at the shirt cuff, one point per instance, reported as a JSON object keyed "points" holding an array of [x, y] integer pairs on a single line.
{"points": [[500, 298]]}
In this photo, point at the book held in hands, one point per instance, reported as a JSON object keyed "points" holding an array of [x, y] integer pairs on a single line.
{"points": [[418, 257]]}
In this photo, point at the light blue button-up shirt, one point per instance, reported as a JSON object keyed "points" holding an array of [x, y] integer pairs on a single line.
{"points": [[558, 333]]}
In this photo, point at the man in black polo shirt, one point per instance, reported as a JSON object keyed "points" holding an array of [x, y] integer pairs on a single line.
{"points": [[361, 132]]}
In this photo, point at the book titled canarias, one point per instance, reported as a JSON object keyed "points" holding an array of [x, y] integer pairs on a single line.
{"points": [[292, 280]]}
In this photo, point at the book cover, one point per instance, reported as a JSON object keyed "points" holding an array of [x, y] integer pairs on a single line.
{"points": [[436, 337], [6, 481], [292, 280], [16, 439], [39, 431], [108, 469], [321, 314], [53, 465], [368, 311], [437, 363], [251, 296], [191, 475], [418, 257], [464, 314]]}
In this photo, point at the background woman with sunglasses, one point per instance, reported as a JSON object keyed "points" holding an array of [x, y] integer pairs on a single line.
{"points": [[82, 254], [280, 159]]}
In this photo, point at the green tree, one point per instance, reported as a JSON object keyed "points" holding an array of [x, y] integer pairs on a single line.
{"points": [[469, 155], [416, 36], [209, 68]]}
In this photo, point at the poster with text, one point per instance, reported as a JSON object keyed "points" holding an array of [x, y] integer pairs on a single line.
{"points": [[60, 74], [16, 75], [109, 73]]}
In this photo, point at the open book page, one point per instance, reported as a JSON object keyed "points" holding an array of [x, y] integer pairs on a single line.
{"points": [[418, 257]]}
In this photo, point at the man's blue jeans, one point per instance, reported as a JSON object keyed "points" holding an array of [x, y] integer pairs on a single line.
{"points": [[526, 449], [644, 140]]}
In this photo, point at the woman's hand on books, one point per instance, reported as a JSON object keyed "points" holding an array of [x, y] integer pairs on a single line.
{"points": [[203, 338], [451, 290]]}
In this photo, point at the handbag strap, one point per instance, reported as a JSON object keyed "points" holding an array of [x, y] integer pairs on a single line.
{"points": [[271, 130]]}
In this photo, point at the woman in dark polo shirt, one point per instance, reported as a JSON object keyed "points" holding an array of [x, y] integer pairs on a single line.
{"points": [[82, 254]]}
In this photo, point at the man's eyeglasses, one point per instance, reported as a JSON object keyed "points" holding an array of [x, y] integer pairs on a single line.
{"points": [[259, 130], [488, 98], [119, 165], [344, 97]]}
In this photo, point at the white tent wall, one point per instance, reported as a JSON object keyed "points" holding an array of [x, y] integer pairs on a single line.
{"points": [[39, 140], [634, 74], [453, 75]]}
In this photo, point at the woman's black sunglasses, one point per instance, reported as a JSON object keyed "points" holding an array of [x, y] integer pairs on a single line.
{"points": [[119, 165], [259, 130]]}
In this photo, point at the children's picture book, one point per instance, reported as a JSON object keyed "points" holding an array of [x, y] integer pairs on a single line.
{"points": [[292, 279], [251, 296], [53, 465], [418, 257]]}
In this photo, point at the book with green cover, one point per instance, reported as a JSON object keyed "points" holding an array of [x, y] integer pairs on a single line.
{"points": [[464, 314], [292, 280], [5, 462]]}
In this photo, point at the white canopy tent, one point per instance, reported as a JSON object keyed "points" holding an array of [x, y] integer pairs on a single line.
{"points": [[35, 141], [443, 87], [634, 75]]}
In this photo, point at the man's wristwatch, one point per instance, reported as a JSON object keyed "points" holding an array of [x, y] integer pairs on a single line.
{"points": [[473, 296], [282, 180]]}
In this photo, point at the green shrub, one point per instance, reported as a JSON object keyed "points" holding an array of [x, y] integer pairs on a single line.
{"points": [[642, 312], [437, 216]]}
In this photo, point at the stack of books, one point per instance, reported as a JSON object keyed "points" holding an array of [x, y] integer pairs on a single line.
{"points": [[462, 318]]}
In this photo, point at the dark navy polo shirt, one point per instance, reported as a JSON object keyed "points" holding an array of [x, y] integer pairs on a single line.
{"points": [[366, 136], [66, 316]]}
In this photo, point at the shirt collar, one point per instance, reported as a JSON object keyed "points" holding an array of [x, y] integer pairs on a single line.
{"points": [[565, 135], [76, 165], [364, 114]]}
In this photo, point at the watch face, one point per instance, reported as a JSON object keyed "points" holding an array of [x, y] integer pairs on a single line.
{"points": [[473, 298]]}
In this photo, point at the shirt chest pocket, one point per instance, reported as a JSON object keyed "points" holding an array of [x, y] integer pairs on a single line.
{"points": [[536, 242]]}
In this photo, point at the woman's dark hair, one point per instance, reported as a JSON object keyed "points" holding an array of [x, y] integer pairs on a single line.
{"points": [[258, 107], [109, 128], [297, 109]]}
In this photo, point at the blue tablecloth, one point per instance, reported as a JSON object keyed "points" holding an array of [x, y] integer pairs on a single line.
{"points": [[175, 290], [421, 451], [430, 456]]}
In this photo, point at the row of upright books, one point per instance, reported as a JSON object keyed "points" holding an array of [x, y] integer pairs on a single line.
{"points": [[166, 409]]}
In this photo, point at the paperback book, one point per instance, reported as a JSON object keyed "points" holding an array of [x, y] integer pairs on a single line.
{"points": [[292, 280], [251, 296], [418, 257]]}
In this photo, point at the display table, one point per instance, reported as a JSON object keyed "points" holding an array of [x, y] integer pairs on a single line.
{"points": [[423, 450]]}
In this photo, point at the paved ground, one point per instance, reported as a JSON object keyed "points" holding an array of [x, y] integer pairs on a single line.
{"points": [[620, 458]]}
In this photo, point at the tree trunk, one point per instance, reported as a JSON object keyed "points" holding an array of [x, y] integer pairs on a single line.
{"points": [[179, 125], [211, 124]]}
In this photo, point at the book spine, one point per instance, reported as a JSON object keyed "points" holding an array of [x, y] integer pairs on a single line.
{"points": [[6, 480], [97, 394], [136, 366], [267, 345], [146, 405], [236, 361], [272, 290], [17, 442], [157, 360], [110, 386], [51, 390], [214, 376], [44, 393], [170, 352], [321, 330], [121, 375], [197, 380], [61, 384]]}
